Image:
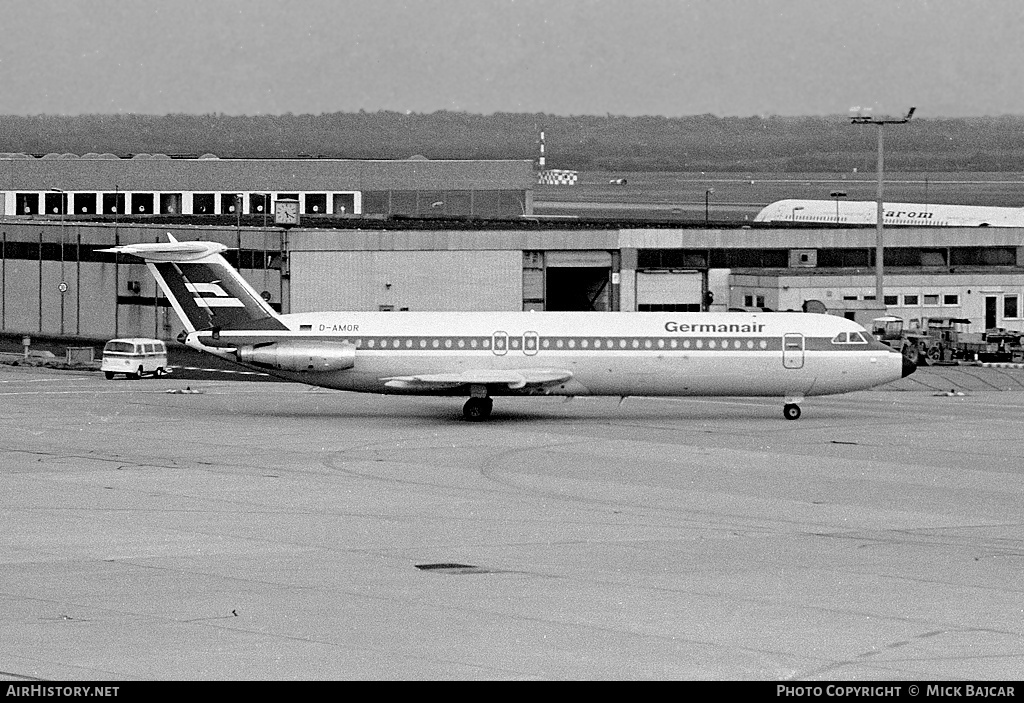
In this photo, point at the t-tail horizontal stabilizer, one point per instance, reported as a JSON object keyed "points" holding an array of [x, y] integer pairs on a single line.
{"points": [[205, 291]]}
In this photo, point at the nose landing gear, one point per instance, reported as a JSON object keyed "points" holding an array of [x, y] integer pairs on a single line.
{"points": [[477, 409]]}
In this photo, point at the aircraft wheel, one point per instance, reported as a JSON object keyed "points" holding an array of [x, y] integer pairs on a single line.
{"points": [[925, 358], [109, 375], [160, 372], [477, 409], [791, 411]]}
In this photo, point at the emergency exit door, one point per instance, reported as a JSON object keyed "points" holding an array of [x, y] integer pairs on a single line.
{"points": [[793, 350]]}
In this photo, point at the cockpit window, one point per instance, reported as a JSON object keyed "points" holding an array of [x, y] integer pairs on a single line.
{"points": [[849, 338]]}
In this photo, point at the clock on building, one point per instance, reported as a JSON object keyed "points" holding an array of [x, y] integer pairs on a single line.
{"points": [[286, 212]]}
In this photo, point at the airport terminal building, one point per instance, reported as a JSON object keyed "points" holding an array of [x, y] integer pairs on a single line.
{"points": [[55, 280], [417, 234], [156, 184]]}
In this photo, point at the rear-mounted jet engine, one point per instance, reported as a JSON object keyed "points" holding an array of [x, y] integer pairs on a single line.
{"points": [[299, 356]]}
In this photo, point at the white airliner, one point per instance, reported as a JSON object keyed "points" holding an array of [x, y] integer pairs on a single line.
{"points": [[484, 354], [865, 212]]}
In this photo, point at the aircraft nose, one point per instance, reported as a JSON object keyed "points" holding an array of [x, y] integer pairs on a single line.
{"points": [[909, 367]]}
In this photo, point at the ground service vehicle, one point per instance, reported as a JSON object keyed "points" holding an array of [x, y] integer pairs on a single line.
{"points": [[1002, 345], [134, 357], [933, 340], [940, 339], [889, 331], [929, 340]]}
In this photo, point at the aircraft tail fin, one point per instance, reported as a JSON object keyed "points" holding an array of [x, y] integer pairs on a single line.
{"points": [[204, 289]]}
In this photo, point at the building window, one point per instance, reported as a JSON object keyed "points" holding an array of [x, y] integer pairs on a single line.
{"points": [[113, 203], [344, 203], [486, 203], [375, 202], [458, 202], [142, 203], [982, 256], [230, 202], [403, 202], [26, 203], [512, 203], [170, 203], [202, 204], [84, 204], [1010, 307], [316, 204], [931, 299], [259, 203], [430, 202], [668, 307], [911, 300], [951, 299], [749, 258], [845, 258], [892, 300], [55, 203], [671, 258]]}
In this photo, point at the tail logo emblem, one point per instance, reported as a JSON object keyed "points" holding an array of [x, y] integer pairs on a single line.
{"points": [[211, 295]]}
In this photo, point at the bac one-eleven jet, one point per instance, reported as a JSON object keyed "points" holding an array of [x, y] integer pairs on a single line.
{"points": [[486, 354]]}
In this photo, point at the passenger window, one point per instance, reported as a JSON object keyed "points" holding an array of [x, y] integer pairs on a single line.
{"points": [[840, 338], [857, 338]]}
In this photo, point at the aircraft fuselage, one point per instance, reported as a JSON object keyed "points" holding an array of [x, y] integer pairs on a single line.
{"points": [[617, 354]]}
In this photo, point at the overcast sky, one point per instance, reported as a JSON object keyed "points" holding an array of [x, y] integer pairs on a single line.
{"points": [[949, 58]]}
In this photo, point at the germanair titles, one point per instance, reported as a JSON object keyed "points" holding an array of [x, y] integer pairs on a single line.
{"points": [[672, 326]]}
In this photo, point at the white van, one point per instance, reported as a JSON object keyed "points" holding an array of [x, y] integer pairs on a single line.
{"points": [[134, 357]]}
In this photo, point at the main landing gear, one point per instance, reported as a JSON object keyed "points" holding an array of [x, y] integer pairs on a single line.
{"points": [[791, 408], [477, 409]]}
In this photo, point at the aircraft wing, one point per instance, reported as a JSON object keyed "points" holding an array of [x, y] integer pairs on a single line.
{"points": [[514, 379]]}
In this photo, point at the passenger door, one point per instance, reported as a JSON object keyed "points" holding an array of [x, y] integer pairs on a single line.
{"points": [[793, 350]]}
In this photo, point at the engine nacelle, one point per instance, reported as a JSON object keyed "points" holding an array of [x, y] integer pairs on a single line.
{"points": [[300, 356]]}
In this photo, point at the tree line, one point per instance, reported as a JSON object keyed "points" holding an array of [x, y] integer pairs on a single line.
{"points": [[584, 142]]}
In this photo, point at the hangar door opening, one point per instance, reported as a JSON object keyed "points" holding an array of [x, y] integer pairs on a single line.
{"points": [[577, 280], [669, 291]]}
